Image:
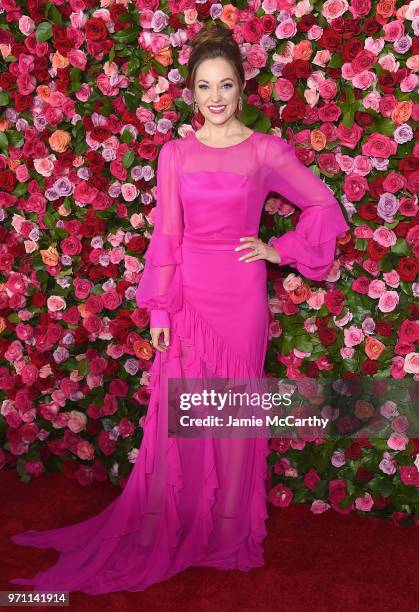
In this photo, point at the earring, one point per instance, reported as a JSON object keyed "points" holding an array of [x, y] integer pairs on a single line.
{"points": [[195, 107], [240, 104]]}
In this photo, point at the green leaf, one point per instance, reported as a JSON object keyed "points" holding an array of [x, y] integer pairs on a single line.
{"points": [[4, 143], [401, 247], [43, 31], [15, 138], [127, 35], [54, 14], [128, 159], [4, 98]]}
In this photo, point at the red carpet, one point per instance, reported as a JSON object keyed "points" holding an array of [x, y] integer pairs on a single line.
{"points": [[325, 563]]}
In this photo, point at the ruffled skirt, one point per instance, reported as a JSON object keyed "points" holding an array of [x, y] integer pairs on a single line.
{"points": [[188, 501]]}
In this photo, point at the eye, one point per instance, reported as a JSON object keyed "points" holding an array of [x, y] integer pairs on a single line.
{"points": [[228, 85]]}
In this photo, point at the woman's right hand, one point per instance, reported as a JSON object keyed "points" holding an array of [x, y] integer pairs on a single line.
{"points": [[155, 334]]}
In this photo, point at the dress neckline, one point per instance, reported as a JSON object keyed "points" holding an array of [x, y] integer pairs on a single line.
{"points": [[228, 146]]}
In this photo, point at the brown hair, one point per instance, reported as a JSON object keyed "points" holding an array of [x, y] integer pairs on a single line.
{"points": [[214, 40]]}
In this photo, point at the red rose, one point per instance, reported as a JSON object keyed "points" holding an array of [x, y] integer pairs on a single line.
{"points": [[330, 40], [334, 301], [376, 251], [408, 269], [100, 133], [252, 30], [137, 244], [294, 111], [338, 492], [369, 367], [7, 180], [384, 329], [327, 336], [409, 331], [95, 29], [388, 81]]}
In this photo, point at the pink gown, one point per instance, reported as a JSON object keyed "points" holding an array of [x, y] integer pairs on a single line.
{"points": [[199, 501]]}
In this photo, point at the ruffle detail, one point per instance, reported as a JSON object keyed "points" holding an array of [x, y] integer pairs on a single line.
{"points": [[164, 249], [214, 354], [209, 355], [321, 224]]}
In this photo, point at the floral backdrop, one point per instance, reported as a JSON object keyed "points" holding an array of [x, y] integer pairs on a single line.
{"points": [[88, 94]]}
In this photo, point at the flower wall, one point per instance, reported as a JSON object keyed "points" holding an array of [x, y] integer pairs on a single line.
{"points": [[88, 94]]}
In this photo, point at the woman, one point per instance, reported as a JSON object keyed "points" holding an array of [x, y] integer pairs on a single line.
{"points": [[201, 501]]}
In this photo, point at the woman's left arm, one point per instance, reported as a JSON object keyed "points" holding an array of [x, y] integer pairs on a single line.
{"points": [[311, 246]]}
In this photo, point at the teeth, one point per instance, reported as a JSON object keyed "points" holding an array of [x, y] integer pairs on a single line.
{"points": [[217, 107]]}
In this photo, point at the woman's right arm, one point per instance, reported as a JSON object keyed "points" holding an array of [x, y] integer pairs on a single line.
{"points": [[160, 288]]}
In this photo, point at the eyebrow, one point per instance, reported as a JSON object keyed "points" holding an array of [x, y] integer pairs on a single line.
{"points": [[226, 79]]}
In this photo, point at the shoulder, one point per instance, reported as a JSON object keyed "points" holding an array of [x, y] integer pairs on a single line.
{"points": [[277, 148]]}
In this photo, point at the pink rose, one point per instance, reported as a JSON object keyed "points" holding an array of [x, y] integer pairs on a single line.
{"points": [[77, 58], [376, 289], [111, 299], [388, 464], [93, 324], [388, 301], [397, 441], [327, 89], [355, 187], [385, 237], [77, 421], [280, 496], [55, 303], [364, 503], [400, 424], [359, 8], [82, 288], [319, 506], [85, 450], [353, 336], [411, 363], [378, 145], [331, 9], [257, 56], [284, 89], [286, 29]]}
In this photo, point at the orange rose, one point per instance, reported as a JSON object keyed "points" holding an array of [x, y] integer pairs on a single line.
{"points": [[164, 57], [50, 256], [301, 294], [4, 125], [59, 61], [229, 15], [303, 50], [265, 91], [363, 410], [2, 325], [59, 141], [164, 103], [143, 349], [402, 112], [386, 8], [318, 140], [44, 92], [373, 348]]}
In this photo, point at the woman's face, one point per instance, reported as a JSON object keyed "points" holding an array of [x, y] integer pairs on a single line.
{"points": [[216, 85]]}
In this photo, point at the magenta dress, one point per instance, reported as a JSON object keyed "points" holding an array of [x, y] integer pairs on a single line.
{"points": [[199, 501]]}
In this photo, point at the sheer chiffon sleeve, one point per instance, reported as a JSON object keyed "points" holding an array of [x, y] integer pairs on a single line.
{"points": [[159, 290], [310, 248]]}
